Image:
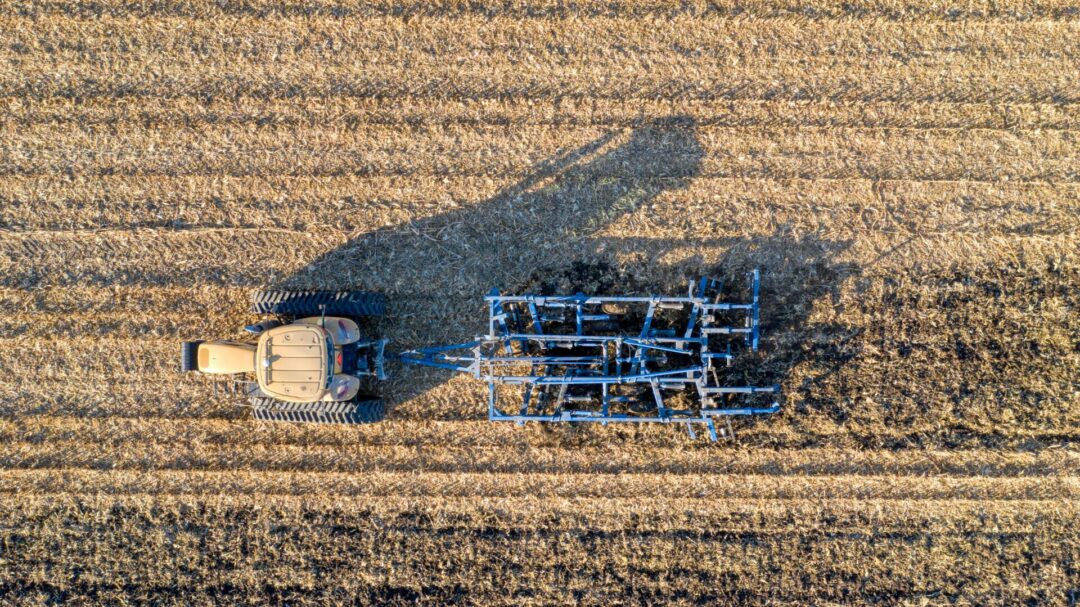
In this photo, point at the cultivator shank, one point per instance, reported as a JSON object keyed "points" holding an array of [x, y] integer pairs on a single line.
{"points": [[581, 358]]}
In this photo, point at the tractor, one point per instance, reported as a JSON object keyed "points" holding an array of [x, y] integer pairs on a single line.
{"points": [[569, 358], [306, 361]]}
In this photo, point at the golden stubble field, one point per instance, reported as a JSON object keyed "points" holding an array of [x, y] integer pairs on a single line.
{"points": [[905, 174]]}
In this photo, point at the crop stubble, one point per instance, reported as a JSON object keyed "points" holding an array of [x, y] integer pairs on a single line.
{"points": [[906, 175]]}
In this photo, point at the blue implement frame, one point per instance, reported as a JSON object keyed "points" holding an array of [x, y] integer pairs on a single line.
{"points": [[582, 358]]}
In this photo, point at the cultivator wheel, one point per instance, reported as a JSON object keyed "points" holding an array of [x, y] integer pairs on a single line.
{"points": [[348, 412], [314, 303]]}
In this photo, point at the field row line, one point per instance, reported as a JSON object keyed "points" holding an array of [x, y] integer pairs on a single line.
{"points": [[338, 42], [86, 481], [427, 65], [1024, 81], [20, 127], [475, 181], [316, 136], [141, 456], [398, 433], [1063, 175], [544, 512], [1040, 226], [1047, 217], [265, 123], [240, 230], [408, 176], [704, 500], [199, 407], [437, 90], [801, 13], [338, 45], [636, 108], [39, 240]]}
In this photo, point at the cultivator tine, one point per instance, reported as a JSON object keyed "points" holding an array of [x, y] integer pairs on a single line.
{"points": [[755, 322], [492, 400], [562, 395], [648, 320], [525, 401], [659, 398], [536, 320]]}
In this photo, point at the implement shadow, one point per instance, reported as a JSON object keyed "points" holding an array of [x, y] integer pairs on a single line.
{"points": [[435, 271], [803, 274], [800, 273]]}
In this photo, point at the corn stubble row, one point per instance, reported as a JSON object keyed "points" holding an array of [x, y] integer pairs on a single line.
{"points": [[808, 13], [834, 206], [545, 59], [462, 151], [997, 81], [351, 112], [352, 40], [376, 483], [905, 174], [593, 551]]}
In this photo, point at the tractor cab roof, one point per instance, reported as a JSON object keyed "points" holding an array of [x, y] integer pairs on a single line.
{"points": [[292, 362]]}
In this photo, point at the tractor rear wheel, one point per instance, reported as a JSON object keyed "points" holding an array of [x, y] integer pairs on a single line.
{"points": [[314, 303], [365, 411]]}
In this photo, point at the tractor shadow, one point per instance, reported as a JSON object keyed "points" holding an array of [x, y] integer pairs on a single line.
{"points": [[435, 270]]}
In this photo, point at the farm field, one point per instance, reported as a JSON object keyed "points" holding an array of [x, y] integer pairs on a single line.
{"points": [[905, 174]]}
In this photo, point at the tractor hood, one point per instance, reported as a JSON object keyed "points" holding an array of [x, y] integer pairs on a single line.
{"points": [[226, 357], [292, 362]]}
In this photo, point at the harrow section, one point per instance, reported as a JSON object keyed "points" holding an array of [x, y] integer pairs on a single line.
{"points": [[582, 358]]}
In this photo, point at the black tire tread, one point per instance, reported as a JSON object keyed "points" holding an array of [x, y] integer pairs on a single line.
{"points": [[189, 356], [263, 402], [348, 412], [312, 303]]}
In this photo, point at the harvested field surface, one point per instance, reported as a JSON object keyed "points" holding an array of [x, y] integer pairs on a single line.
{"points": [[906, 175]]}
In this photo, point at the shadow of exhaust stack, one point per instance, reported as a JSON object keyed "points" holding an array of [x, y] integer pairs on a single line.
{"points": [[543, 219]]}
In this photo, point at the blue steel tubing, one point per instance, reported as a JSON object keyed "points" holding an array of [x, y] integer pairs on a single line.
{"points": [[538, 365], [755, 336]]}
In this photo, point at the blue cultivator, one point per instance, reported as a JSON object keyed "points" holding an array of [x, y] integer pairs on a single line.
{"points": [[581, 358]]}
